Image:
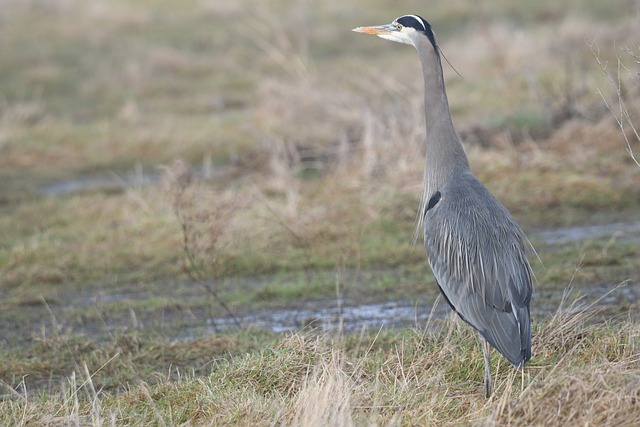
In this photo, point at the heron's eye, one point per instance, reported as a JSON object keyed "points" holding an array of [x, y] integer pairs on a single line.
{"points": [[399, 27]]}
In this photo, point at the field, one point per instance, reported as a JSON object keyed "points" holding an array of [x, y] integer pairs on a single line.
{"points": [[207, 212]]}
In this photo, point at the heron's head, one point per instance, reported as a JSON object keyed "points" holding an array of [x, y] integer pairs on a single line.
{"points": [[405, 29]]}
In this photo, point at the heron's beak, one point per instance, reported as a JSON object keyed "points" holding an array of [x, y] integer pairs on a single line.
{"points": [[379, 30]]}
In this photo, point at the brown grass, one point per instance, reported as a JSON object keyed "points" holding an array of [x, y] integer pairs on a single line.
{"points": [[583, 372]]}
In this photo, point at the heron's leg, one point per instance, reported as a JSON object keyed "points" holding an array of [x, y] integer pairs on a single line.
{"points": [[486, 352]]}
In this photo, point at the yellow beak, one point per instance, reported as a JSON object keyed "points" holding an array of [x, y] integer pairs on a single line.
{"points": [[377, 30]]}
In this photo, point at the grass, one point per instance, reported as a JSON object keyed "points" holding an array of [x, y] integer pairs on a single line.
{"points": [[398, 377], [284, 158]]}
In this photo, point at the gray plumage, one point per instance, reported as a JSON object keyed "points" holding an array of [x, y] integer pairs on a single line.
{"points": [[477, 254], [476, 250]]}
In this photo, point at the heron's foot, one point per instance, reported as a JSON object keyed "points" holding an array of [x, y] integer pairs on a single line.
{"points": [[486, 353], [487, 387]]}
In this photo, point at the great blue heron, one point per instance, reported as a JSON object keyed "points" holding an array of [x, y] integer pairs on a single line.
{"points": [[476, 250]]}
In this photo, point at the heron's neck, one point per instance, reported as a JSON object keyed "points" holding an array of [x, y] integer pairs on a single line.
{"points": [[444, 153]]}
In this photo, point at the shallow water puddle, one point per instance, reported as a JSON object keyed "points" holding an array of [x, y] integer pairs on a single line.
{"points": [[621, 231], [344, 318], [136, 178], [351, 318]]}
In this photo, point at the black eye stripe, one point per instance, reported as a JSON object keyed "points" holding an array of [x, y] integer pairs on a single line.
{"points": [[419, 24], [412, 21]]}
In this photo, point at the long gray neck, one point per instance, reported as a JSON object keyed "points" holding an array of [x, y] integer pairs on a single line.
{"points": [[445, 156]]}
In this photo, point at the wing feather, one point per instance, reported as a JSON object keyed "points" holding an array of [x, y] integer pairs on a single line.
{"points": [[478, 255]]}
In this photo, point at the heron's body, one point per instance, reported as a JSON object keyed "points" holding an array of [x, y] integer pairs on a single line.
{"points": [[477, 254], [476, 250]]}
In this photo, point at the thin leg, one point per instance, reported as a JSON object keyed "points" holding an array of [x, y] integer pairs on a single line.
{"points": [[486, 352]]}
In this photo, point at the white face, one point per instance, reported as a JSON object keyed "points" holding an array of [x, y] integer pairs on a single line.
{"points": [[395, 31], [399, 34]]}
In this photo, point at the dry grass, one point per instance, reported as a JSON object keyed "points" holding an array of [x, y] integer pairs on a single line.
{"points": [[583, 372]]}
